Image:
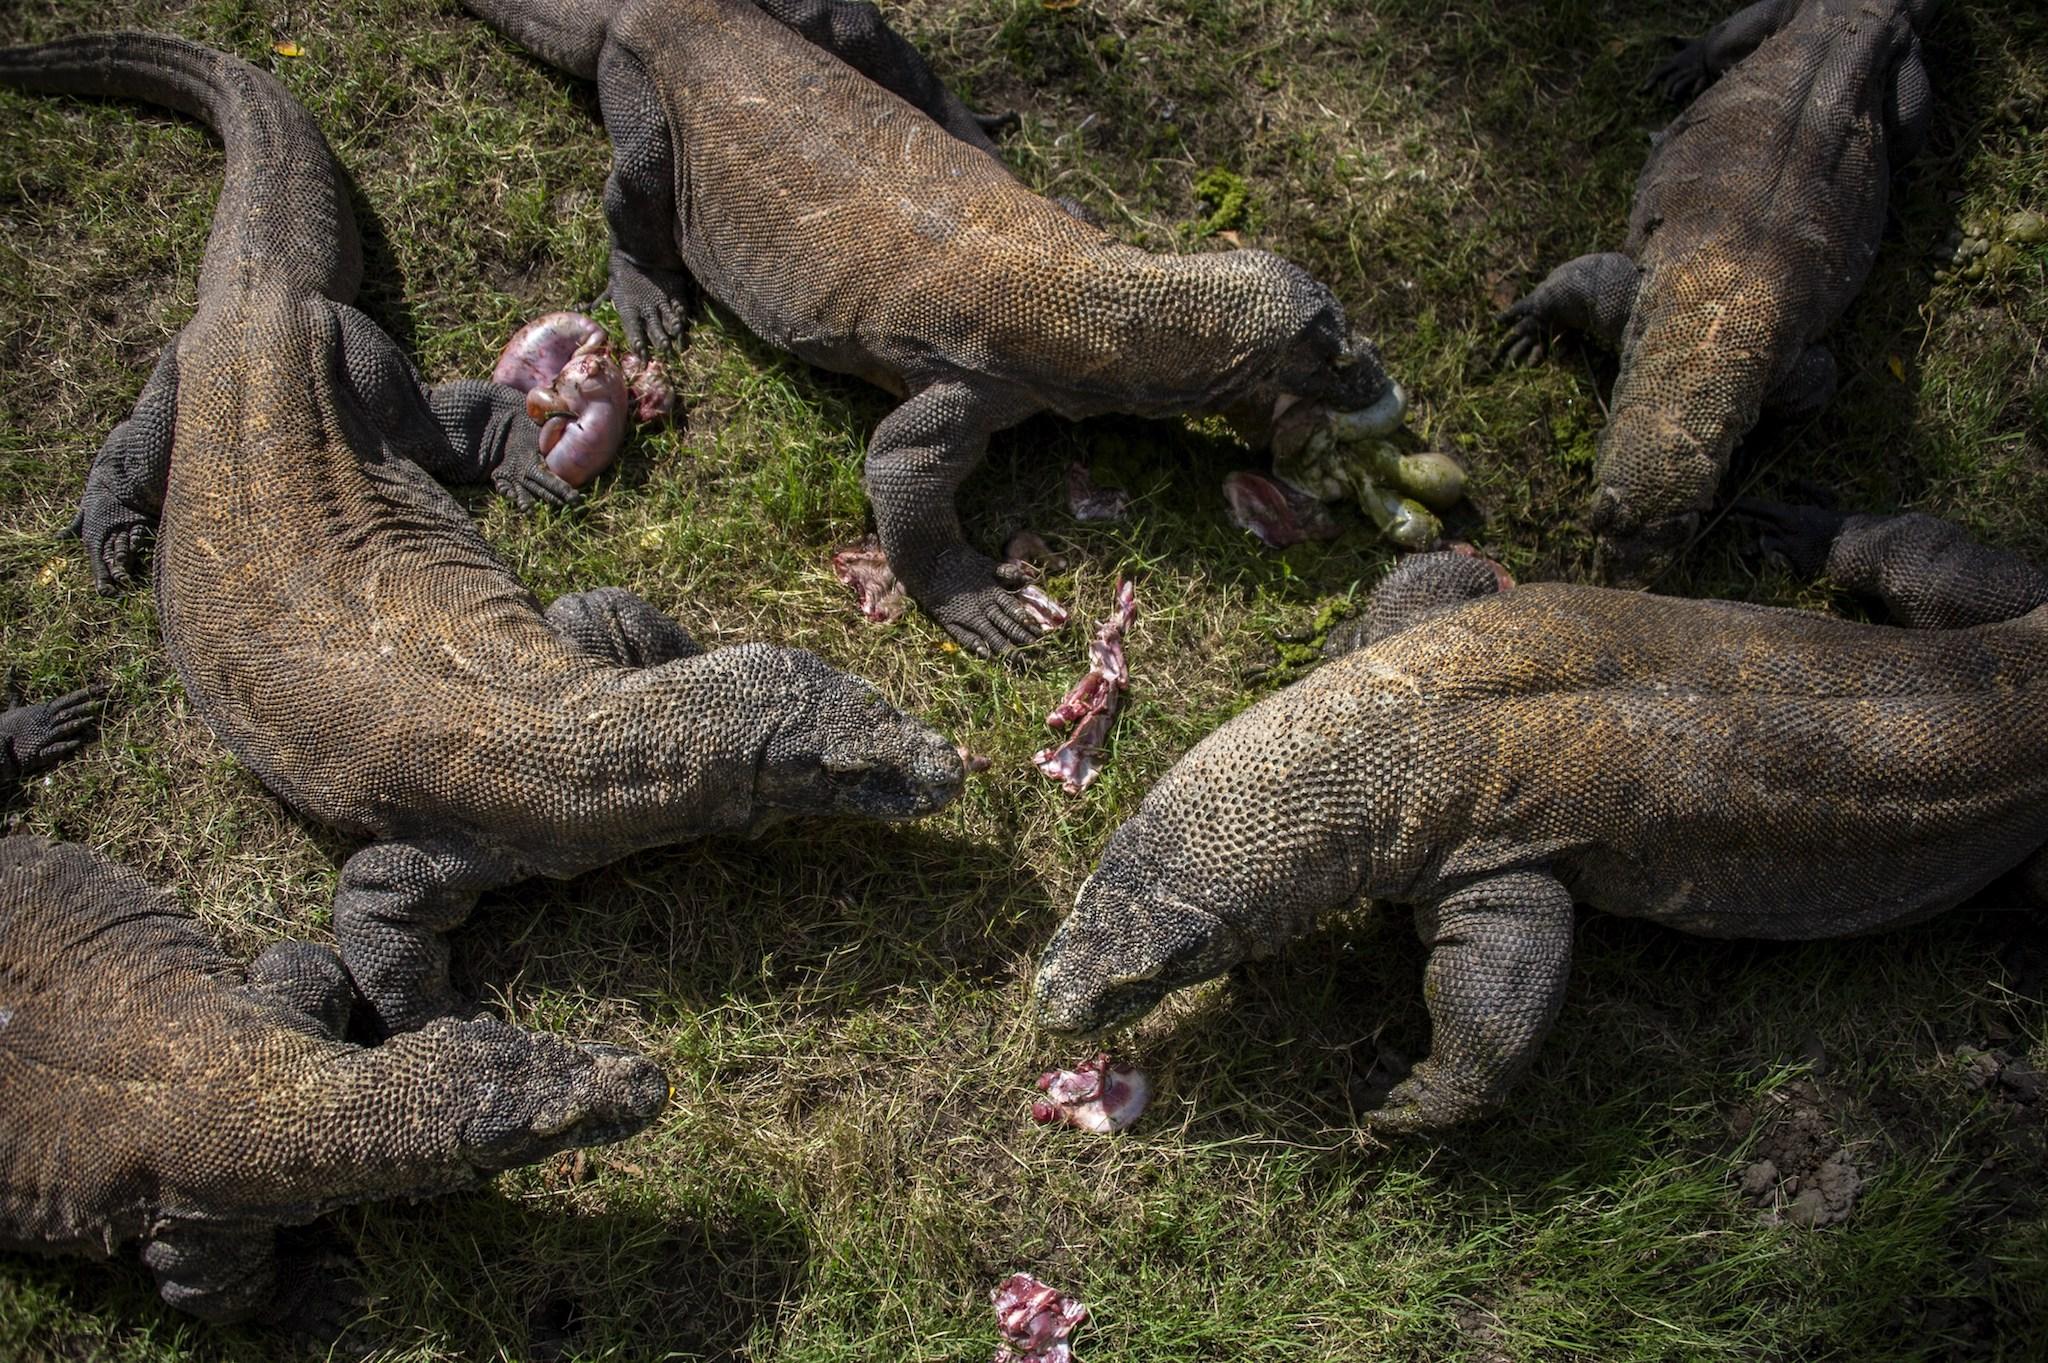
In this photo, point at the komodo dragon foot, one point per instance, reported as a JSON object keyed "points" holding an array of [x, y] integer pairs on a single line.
{"points": [[653, 303], [1924, 571], [1796, 536], [34, 738], [983, 611]]}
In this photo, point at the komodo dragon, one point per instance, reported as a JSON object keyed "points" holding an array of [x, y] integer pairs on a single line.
{"points": [[1755, 222], [1724, 769], [843, 224], [340, 624], [150, 1091]]}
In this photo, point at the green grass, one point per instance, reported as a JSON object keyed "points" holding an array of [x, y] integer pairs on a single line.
{"points": [[849, 1165]]}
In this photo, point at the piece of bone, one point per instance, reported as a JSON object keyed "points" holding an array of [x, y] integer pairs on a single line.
{"points": [[1035, 1321], [1088, 502], [1278, 514], [1500, 572], [865, 568], [653, 393], [1086, 711], [1096, 1095]]}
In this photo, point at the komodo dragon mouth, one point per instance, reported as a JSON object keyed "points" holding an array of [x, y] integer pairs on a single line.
{"points": [[1116, 957], [615, 1095]]}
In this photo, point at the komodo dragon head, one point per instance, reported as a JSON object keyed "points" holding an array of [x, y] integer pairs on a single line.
{"points": [[837, 747], [1131, 939], [1227, 859], [512, 1097], [1687, 394]]}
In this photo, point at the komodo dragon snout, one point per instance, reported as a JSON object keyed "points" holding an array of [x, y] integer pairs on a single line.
{"points": [[842, 749], [534, 1095], [1325, 383], [1127, 945]]}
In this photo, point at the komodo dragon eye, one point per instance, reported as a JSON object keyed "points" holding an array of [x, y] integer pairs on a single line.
{"points": [[847, 764]]}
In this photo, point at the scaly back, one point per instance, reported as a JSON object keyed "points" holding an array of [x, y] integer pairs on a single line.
{"points": [[115, 1012]]}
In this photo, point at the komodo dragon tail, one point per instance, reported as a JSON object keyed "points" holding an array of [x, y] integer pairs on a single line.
{"points": [[284, 205], [567, 34]]}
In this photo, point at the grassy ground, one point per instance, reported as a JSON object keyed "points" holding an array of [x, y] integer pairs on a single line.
{"points": [[849, 1165]]}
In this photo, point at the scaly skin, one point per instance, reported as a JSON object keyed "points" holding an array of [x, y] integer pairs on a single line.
{"points": [[839, 202], [34, 738], [152, 1092], [343, 628], [1493, 757], [1755, 223]]}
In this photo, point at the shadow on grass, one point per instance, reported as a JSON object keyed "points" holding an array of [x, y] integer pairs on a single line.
{"points": [[833, 916], [699, 1284], [629, 1282], [1302, 1044], [384, 296]]}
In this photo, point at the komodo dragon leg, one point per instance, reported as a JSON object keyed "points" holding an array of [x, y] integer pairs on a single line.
{"points": [[124, 491], [1808, 388], [1695, 66], [856, 33], [650, 285], [1926, 572], [34, 738], [308, 979], [215, 1272], [1908, 101], [392, 911], [917, 459], [461, 432], [1418, 586], [1592, 294], [1500, 951], [613, 624]]}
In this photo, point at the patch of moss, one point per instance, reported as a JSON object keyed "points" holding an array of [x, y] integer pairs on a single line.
{"points": [[1229, 199], [1578, 445]]}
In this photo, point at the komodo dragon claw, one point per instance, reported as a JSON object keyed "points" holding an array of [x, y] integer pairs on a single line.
{"points": [[34, 738], [1527, 341], [1680, 76], [653, 304], [1009, 120]]}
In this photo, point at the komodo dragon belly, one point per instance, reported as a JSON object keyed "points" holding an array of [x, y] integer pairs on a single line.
{"points": [[1730, 770], [844, 225]]}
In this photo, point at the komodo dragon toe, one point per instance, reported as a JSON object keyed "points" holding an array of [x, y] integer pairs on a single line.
{"points": [[34, 738]]}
